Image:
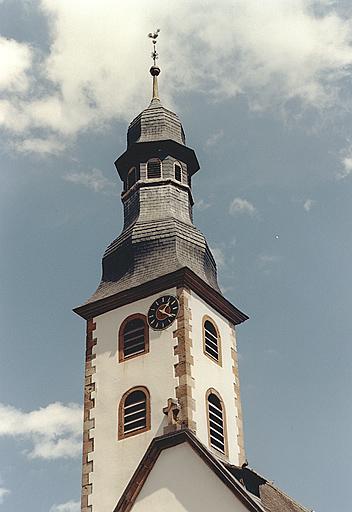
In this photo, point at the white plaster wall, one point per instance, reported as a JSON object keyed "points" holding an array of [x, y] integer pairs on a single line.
{"points": [[115, 461], [208, 374], [181, 482]]}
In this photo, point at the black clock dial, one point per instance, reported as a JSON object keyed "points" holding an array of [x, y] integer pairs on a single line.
{"points": [[163, 312]]}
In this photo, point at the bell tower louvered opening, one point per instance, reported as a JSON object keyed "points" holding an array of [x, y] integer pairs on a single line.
{"points": [[216, 423], [211, 340], [178, 172], [134, 412], [133, 337], [153, 168]]}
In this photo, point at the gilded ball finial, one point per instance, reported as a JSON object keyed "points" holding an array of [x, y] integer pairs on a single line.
{"points": [[154, 71]]}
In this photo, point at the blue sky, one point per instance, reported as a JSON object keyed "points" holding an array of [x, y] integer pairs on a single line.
{"points": [[264, 93]]}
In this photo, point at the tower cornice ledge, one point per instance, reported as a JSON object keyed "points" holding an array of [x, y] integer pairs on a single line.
{"points": [[182, 277]]}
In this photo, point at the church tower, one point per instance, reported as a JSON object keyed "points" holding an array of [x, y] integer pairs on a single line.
{"points": [[161, 347]]}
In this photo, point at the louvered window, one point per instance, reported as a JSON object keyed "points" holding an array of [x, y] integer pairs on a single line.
{"points": [[216, 423], [154, 168], [135, 412], [211, 340], [133, 337], [132, 177], [178, 172]]}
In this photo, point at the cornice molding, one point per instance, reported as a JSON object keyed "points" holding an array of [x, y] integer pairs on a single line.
{"points": [[181, 277]]}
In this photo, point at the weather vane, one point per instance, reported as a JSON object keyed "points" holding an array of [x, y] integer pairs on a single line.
{"points": [[153, 36], [155, 70]]}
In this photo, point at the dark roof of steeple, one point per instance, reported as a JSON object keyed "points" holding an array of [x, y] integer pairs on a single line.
{"points": [[155, 123], [158, 236]]}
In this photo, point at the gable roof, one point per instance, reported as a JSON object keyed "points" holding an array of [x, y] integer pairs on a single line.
{"points": [[161, 443], [271, 497], [255, 492]]}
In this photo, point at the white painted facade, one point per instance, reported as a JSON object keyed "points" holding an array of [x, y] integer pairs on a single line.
{"points": [[208, 374], [181, 482], [114, 461]]}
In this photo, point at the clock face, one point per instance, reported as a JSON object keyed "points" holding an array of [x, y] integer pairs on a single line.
{"points": [[163, 312]]}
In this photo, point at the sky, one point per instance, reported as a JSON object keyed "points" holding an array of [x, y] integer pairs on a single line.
{"points": [[264, 93]]}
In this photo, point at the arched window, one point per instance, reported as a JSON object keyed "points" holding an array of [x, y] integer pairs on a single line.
{"points": [[216, 422], [211, 340], [153, 168], [132, 177], [134, 412], [133, 337], [189, 181], [178, 171]]}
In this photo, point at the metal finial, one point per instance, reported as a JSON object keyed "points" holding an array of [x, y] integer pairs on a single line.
{"points": [[155, 70], [153, 36]]}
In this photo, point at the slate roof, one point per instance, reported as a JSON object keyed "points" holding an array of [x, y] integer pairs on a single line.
{"points": [[148, 250], [155, 123], [256, 492], [271, 497]]}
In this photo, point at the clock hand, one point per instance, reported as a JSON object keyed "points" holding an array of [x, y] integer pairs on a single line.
{"points": [[163, 311], [164, 306], [167, 304]]}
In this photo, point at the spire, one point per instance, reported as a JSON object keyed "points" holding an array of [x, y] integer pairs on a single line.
{"points": [[155, 70]]}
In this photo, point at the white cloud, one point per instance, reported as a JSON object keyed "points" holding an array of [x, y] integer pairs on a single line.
{"points": [[272, 52], [265, 262], [40, 146], [94, 179], [202, 205], [308, 204], [214, 138], [346, 162], [70, 506], [3, 493], [239, 206], [267, 258], [16, 59], [54, 431]]}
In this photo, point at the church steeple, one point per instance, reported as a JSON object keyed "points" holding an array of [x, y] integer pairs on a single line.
{"points": [[161, 348]]}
